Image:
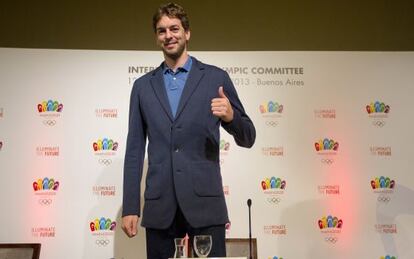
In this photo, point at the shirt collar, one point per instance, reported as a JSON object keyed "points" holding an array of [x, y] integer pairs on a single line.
{"points": [[185, 68]]}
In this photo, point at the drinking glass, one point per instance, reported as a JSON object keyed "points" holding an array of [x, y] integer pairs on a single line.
{"points": [[202, 245], [180, 248]]}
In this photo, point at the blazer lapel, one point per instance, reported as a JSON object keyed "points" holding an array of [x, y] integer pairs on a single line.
{"points": [[157, 83], [193, 80]]}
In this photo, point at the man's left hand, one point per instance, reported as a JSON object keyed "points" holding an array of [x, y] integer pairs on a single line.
{"points": [[221, 107]]}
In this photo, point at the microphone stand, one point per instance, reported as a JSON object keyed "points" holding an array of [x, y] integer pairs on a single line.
{"points": [[249, 204]]}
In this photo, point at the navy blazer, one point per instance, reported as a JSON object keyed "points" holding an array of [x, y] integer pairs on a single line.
{"points": [[183, 152]]}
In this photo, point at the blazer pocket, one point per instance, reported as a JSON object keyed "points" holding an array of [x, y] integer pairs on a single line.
{"points": [[153, 182], [206, 179]]}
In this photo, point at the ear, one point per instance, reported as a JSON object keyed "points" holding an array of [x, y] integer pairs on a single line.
{"points": [[158, 42], [187, 35]]}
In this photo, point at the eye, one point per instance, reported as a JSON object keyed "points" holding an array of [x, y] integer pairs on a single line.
{"points": [[160, 31], [175, 29]]}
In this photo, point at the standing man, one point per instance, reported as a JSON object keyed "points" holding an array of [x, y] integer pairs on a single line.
{"points": [[179, 108]]}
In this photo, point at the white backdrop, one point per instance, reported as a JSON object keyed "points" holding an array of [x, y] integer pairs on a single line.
{"points": [[313, 96]]}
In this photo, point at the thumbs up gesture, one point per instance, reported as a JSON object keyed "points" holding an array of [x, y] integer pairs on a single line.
{"points": [[221, 106]]}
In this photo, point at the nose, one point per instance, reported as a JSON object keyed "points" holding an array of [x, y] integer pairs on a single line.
{"points": [[168, 34]]}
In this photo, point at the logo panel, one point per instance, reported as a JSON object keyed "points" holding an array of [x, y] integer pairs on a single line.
{"points": [[271, 112], [105, 148], [45, 190], [327, 148], [50, 111], [384, 188], [273, 189], [330, 227], [378, 113], [102, 230]]}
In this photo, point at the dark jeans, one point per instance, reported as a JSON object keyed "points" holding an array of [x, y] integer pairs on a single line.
{"points": [[160, 242]]}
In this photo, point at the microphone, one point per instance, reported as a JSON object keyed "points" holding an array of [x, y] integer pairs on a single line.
{"points": [[249, 204]]}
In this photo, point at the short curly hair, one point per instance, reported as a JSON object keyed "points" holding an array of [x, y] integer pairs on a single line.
{"points": [[171, 10]]}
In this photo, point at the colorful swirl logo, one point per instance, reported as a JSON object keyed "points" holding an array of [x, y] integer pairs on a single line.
{"points": [[330, 222], [382, 183], [273, 183], [275, 257], [105, 144], [102, 224], [326, 144], [49, 106], [377, 107], [45, 184], [271, 107], [388, 257], [224, 145]]}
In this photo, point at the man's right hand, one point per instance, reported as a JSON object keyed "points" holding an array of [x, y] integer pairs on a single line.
{"points": [[129, 225]]}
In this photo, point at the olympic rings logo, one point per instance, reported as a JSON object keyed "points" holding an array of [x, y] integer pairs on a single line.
{"points": [[45, 202], [102, 242], [274, 200], [384, 199], [104, 161], [49, 122], [327, 161], [331, 240], [272, 123], [378, 123]]}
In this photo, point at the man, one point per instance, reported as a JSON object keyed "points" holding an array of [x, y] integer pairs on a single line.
{"points": [[179, 107]]}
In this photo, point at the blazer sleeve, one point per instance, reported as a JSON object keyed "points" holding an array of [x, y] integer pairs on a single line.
{"points": [[241, 127], [134, 156]]}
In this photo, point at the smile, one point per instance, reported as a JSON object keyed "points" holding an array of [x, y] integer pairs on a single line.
{"points": [[170, 43]]}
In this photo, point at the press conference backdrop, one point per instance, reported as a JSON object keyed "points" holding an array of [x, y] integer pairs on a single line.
{"points": [[330, 174]]}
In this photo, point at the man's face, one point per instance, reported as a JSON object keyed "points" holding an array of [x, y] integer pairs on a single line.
{"points": [[171, 37]]}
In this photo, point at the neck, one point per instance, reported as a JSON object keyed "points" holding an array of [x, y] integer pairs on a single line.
{"points": [[174, 63]]}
